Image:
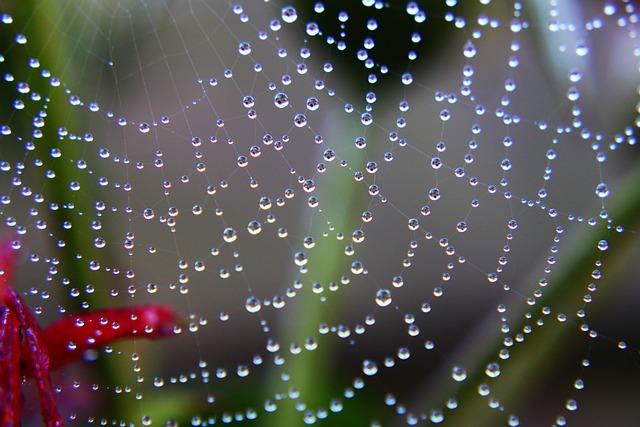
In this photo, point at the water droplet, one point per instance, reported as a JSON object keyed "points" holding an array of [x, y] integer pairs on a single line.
{"points": [[253, 304], [492, 370], [383, 297], [602, 190], [458, 373], [582, 49], [229, 235], [281, 100], [254, 227], [469, 49], [244, 48], [289, 14], [369, 367]]}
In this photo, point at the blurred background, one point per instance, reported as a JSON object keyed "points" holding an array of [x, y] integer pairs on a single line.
{"points": [[155, 130]]}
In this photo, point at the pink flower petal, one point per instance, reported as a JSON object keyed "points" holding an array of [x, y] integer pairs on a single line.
{"points": [[10, 397], [67, 339]]}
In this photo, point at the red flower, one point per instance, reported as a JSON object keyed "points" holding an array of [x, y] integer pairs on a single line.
{"points": [[27, 350]]}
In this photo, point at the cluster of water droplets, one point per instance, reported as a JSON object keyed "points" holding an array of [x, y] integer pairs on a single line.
{"points": [[293, 91]]}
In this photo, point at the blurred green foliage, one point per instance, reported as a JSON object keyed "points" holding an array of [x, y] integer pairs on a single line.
{"points": [[43, 22]]}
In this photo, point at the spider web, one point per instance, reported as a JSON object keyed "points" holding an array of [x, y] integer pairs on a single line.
{"points": [[390, 227]]}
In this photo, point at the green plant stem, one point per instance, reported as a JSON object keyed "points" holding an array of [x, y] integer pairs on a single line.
{"points": [[541, 348], [341, 200]]}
